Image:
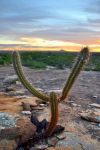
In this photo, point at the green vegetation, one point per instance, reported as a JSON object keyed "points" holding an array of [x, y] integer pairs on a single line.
{"points": [[5, 58], [42, 59], [80, 62], [60, 60]]}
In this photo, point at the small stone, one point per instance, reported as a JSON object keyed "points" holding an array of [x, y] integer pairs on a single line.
{"points": [[92, 116], [26, 106], [52, 141], [26, 112], [39, 147], [60, 148], [61, 136], [70, 102], [16, 93], [42, 105], [94, 96], [95, 105], [74, 105], [18, 83], [10, 79], [8, 89], [99, 125], [38, 108]]}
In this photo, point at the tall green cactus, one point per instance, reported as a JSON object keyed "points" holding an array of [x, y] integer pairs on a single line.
{"points": [[54, 115], [18, 68], [77, 68]]}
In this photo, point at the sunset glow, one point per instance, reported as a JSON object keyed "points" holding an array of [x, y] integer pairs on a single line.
{"points": [[49, 25]]}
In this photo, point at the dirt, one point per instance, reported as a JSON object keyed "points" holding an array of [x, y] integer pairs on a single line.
{"points": [[85, 91]]}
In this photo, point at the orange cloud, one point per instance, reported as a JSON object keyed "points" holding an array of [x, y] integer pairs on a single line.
{"points": [[47, 43], [39, 44]]}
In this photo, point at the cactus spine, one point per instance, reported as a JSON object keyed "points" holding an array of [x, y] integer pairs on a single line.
{"points": [[78, 66], [54, 115], [18, 68]]}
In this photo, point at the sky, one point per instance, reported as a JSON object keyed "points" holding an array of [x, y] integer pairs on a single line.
{"points": [[49, 24]]}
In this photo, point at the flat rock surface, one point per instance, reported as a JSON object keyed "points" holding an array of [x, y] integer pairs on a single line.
{"points": [[79, 134], [48, 80]]}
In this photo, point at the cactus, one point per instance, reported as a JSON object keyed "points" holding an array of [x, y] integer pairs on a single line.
{"points": [[54, 115], [18, 68], [77, 68]]}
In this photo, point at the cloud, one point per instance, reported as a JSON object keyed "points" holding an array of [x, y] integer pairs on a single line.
{"points": [[50, 20], [94, 7]]}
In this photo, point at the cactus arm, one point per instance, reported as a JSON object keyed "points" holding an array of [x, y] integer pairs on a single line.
{"points": [[77, 68], [54, 115], [19, 71]]}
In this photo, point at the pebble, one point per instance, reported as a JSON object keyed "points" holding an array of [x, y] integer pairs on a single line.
{"points": [[42, 105], [95, 105], [52, 141], [26, 112], [74, 105], [99, 125], [39, 147], [8, 89], [61, 136], [94, 96]]}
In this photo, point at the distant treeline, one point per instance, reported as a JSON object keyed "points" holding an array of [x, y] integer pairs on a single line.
{"points": [[40, 60]]}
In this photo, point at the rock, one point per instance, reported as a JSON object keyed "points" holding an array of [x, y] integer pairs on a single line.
{"points": [[76, 142], [26, 106], [14, 130], [7, 120], [92, 116], [10, 79], [7, 136], [70, 102], [26, 112], [52, 141], [42, 105], [8, 144], [60, 148], [27, 129], [16, 93], [18, 83], [73, 104], [9, 89], [15, 105], [39, 147], [20, 92], [61, 136], [50, 67], [94, 96], [95, 105]]}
